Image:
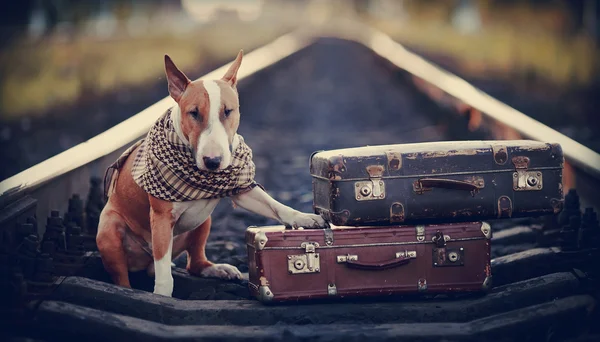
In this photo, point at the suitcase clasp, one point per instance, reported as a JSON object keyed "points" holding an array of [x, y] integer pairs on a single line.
{"points": [[524, 180], [420, 233], [309, 247], [374, 188], [328, 236], [440, 239], [369, 190], [448, 257], [305, 263]]}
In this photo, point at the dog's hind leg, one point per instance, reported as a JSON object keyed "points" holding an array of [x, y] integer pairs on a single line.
{"points": [[109, 241], [198, 264]]}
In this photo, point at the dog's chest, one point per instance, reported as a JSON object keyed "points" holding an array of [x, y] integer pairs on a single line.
{"points": [[192, 214]]}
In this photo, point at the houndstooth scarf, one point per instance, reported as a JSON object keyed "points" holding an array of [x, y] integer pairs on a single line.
{"points": [[165, 167]]}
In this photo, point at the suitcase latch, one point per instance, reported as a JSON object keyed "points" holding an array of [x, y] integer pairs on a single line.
{"points": [[443, 256], [372, 189], [524, 180], [420, 233], [305, 263], [328, 236], [440, 239], [447, 257]]}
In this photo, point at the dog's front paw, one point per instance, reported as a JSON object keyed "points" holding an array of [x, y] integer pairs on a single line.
{"points": [[298, 219], [223, 271], [164, 288]]}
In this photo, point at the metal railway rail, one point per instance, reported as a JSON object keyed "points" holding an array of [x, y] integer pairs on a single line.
{"points": [[294, 96]]}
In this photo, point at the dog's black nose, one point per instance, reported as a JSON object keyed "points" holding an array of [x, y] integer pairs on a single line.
{"points": [[212, 163]]}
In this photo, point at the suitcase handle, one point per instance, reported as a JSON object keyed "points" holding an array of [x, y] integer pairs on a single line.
{"points": [[425, 184], [378, 265]]}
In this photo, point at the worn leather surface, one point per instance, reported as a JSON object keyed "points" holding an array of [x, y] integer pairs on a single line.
{"points": [[449, 181], [383, 260]]}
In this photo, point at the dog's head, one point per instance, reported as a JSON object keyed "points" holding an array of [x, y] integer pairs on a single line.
{"points": [[209, 114]]}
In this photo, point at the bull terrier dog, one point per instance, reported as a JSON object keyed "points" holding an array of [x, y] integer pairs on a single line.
{"points": [[164, 188]]}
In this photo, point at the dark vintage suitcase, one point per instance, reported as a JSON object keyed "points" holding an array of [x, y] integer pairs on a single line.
{"points": [[287, 265], [449, 181]]}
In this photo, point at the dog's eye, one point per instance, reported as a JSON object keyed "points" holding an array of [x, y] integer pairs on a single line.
{"points": [[194, 113], [228, 111]]}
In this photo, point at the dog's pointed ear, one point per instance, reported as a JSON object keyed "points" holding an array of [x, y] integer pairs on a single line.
{"points": [[176, 79], [231, 74]]}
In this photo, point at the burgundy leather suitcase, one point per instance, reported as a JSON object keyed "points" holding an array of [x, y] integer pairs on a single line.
{"points": [[432, 182], [286, 265]]}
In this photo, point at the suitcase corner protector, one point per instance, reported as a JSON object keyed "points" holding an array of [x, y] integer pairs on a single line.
{"points": [[486, 229], [260, 240], [487, 283], [265, 295]]}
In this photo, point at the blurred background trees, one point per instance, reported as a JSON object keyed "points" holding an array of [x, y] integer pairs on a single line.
{"points": [[82, 46]]}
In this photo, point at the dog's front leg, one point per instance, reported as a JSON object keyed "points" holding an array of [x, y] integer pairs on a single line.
{"points": [[161, 223], [259, 202]]}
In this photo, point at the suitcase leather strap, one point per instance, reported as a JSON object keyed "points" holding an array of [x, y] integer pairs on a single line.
{"points": [[379, 265]]}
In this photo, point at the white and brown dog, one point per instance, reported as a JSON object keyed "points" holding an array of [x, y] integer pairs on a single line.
{"points": [[138, 231]]}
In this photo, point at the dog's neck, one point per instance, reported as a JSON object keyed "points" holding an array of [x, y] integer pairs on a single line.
{"points": [[176, 117]]}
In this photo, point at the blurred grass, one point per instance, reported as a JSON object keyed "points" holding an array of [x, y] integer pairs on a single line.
{"points": [[514, 39], [37, 77]]}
